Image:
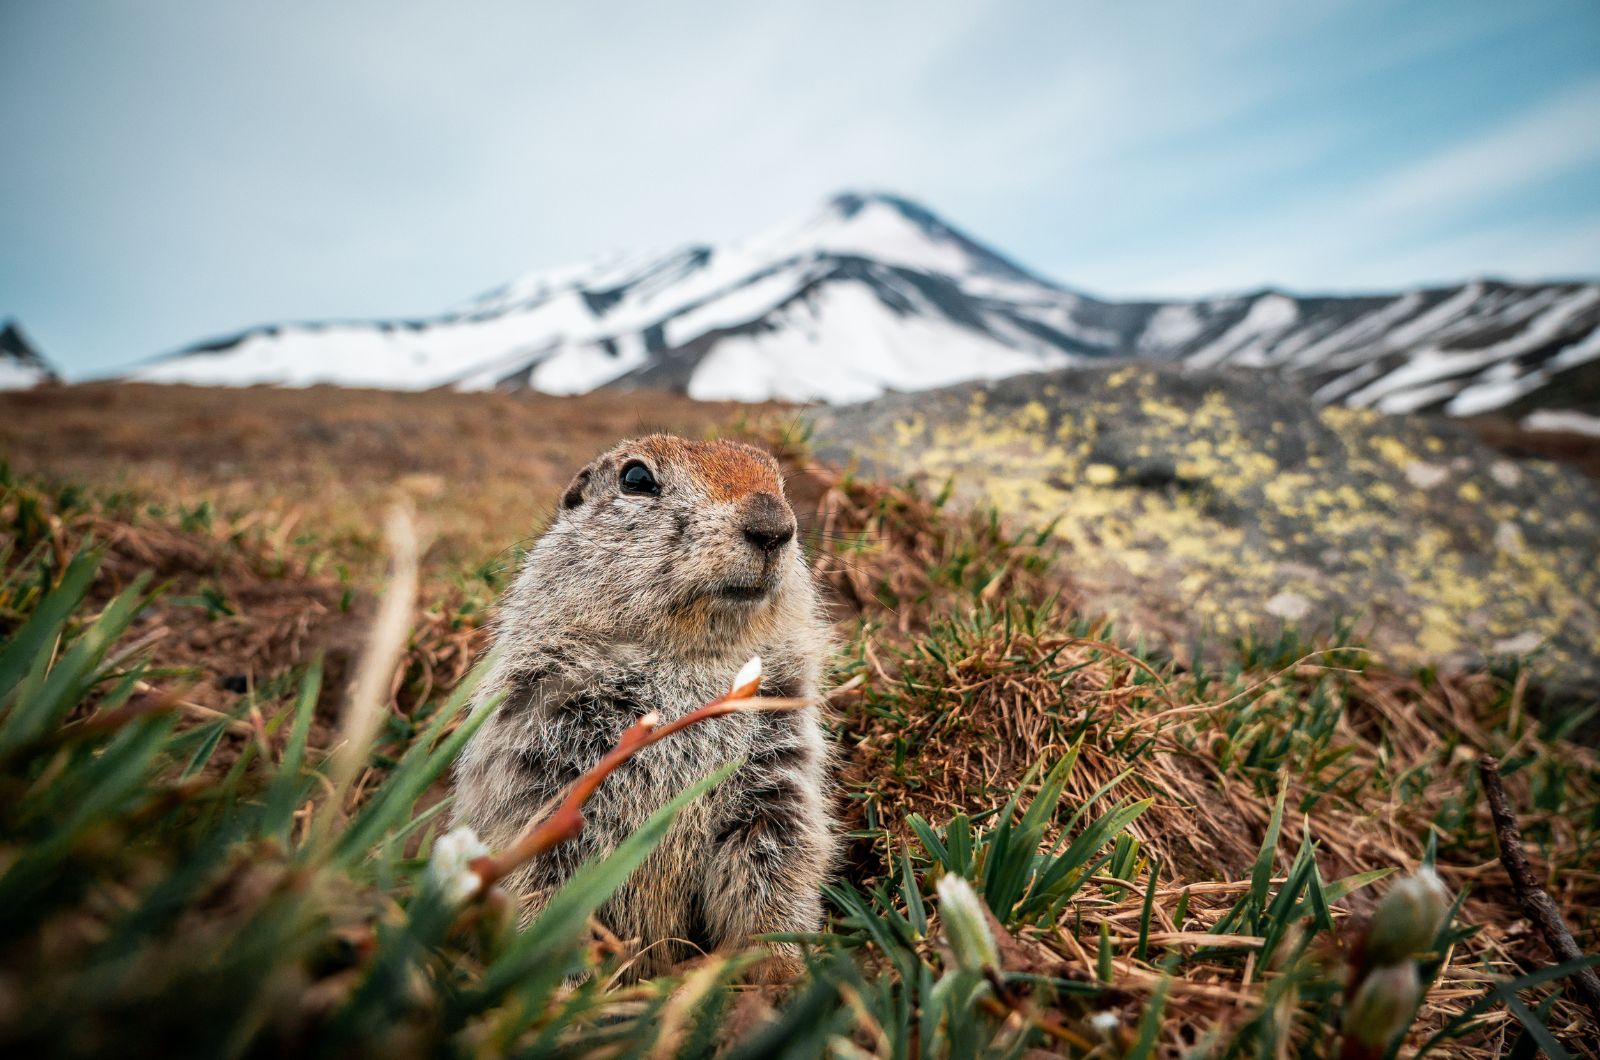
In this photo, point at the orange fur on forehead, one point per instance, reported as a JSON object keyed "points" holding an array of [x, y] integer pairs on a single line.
{"points": [[726, 470]]}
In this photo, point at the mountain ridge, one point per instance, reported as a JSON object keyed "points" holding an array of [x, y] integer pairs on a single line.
{"points": [[874, 293], [22, 366]]}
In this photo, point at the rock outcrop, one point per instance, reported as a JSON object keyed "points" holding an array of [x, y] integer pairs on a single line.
{"points": [[1214, 503]]}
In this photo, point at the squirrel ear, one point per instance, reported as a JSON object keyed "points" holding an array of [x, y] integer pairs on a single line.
{"points": [[574, 495]]}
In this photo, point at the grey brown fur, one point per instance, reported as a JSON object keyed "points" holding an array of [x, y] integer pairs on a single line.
{"points": [[634, 603]]}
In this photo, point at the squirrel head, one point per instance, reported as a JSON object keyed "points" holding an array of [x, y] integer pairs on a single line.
{"points": [[694, 542]]}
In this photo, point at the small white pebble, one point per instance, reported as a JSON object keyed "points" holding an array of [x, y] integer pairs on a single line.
{"points": [[1506, 473], [1508, 538], [1105, 1023], [1424, 475], [1290, 606], [1521, 644]]}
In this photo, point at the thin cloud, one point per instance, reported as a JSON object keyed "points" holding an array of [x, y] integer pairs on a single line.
{"points": [[1349, 232], [182, 168], [1550, 138]]}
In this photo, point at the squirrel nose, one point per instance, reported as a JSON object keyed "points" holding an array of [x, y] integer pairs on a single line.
{"points": [[768, 524]]}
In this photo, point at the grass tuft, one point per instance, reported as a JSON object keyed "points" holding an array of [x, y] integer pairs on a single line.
{"points": [[1171, 858]]}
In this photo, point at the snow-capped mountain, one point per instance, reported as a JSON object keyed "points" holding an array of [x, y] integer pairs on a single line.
{"points": [[22, 366], [1479, 347], [873, 293]]}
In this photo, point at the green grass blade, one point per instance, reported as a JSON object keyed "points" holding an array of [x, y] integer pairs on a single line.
{"points": [[916, 912], [1261, 873], [393, 805], [36, 710], [1500, 991], [550, 941], [285, 793], [1147, 911], [45, 624]]}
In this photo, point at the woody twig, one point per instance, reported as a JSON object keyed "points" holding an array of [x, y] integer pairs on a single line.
{"points": [[566, 820], [1535, 903]]}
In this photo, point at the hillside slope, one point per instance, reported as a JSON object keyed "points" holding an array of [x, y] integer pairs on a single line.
{"points": [[873, 293], [1198, 502]]}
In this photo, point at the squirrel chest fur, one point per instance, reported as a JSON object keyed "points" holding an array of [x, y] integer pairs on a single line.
{"points": [[670, 564]]}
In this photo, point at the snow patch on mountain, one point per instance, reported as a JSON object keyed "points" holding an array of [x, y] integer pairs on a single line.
{"points": [[1563, 420], [1170, 326], [873, 293], [842, 347], [868, 294]]}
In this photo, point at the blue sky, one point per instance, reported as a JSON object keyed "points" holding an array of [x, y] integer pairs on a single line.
{"points": [[177, 170]]}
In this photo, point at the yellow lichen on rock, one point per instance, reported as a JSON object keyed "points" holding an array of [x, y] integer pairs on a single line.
{"points": [[1180, 495]]}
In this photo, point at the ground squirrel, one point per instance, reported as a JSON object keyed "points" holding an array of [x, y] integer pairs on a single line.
{"points": [[669, 564]]}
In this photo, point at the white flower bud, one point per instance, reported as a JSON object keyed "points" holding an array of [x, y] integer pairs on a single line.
{"points": [[749, 673], [449, 864], [966, 927]]}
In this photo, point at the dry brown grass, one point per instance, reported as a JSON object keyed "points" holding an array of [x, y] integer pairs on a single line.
{"points": [[972, 665], [973, 668], [484, 469]]}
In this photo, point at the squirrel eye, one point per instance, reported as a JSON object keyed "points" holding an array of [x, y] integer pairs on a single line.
{"points": [[636, 478]]}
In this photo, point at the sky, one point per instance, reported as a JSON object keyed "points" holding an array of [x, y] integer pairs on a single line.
{"points": [[181, 169]]}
